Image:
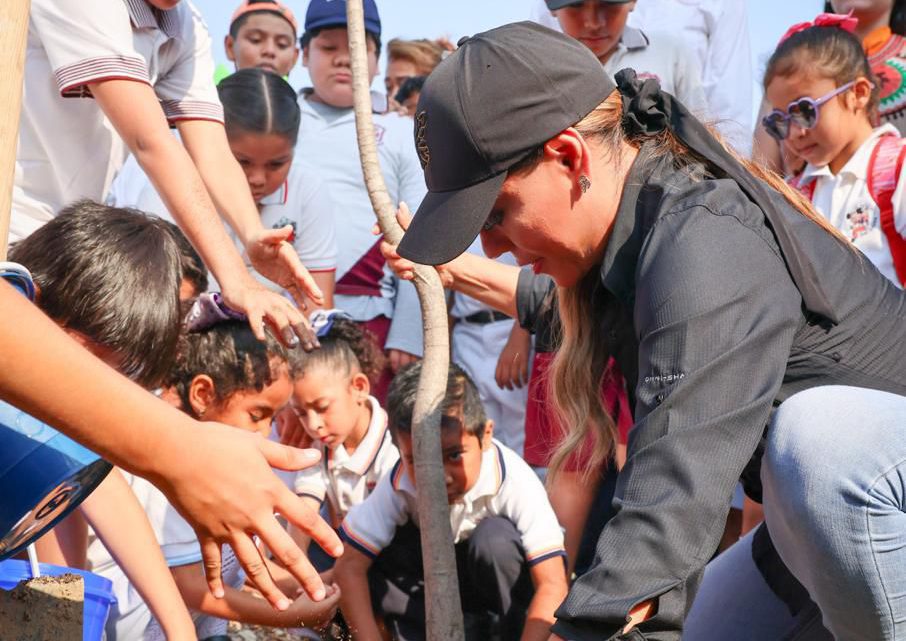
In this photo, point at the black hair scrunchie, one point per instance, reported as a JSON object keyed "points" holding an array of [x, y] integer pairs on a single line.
{"points": [[645, 112]]}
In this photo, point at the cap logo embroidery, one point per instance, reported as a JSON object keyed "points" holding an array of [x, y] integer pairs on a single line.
{"points": [[421, 142]]}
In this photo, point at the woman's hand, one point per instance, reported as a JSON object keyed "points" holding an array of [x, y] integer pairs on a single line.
{"points": [[264, 306], [513, 364], [403, 268], [201, 478]]}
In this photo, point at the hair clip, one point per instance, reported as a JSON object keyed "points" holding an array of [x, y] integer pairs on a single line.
{"points": [[209, 310], [843, 21], [322, 320]]}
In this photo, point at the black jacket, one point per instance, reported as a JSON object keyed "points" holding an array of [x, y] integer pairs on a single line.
{"points": [[707, 325]]}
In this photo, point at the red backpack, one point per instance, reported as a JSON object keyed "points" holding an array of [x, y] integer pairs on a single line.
{"points": [[884, 168]]}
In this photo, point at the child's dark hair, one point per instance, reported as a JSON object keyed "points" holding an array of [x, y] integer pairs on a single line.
{"points": [[461, 402], [231, 355], [260, 102], [311, 34], [829, 52], [191, 267], [345, 348], [111, 274], [236, 25]]}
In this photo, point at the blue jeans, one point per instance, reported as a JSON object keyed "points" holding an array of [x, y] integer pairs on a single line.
{"points": [[834, 478]]}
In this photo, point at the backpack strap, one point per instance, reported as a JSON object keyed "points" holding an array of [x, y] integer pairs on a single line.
{"points": [[805, 186], [884, 169]]}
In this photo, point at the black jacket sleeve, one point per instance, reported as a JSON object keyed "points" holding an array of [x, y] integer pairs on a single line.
{"points": [[715, 315]]}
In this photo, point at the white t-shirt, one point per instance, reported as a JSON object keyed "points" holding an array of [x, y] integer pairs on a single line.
{"points": [[345, 479], [67, 149], [846, 202], [506, 487], [661, 55], [327, 137], [131, 619], [713, 37]]}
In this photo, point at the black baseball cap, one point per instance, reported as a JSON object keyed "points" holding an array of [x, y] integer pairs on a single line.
{"points": [[499, 96], [553, 5]]}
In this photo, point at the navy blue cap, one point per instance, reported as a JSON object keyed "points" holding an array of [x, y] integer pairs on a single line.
{"points": [[332, 13]]}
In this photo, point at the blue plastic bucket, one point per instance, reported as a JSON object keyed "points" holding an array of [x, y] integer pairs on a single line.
{"points": [[44, 475], [98, 592]]}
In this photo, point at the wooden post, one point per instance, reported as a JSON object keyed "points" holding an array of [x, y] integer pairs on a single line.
{"points": [[442, 604], [13, 34]]}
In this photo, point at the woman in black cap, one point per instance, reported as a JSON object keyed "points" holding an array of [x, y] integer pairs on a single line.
{"points": [[721, 294]]}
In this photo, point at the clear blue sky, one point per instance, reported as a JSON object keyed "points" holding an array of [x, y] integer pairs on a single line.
{"points": [[768, 19]]}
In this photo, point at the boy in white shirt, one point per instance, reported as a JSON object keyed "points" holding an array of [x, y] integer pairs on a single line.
{"points": [[601, 26], [365, 289], [509, 546]]}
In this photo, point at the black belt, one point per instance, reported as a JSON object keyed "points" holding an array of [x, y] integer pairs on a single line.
{"points": [[485, 317]]}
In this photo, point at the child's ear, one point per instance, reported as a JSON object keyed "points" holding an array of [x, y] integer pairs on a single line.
{"points": [[361, 386], [202, 394], [862, 91], [305, 55], [228, 43], [488, 435]]}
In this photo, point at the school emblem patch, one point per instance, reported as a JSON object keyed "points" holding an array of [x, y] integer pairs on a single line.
{"points": [[421, 141]]}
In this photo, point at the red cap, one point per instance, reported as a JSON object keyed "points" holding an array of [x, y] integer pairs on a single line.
{"points": [[273, 7]]}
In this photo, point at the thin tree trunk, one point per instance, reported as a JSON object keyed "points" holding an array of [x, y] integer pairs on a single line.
{"points": [[13, 34], [443, 609]]}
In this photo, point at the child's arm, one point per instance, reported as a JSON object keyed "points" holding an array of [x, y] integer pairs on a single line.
{"points": [[237, 605], [120, 522], [549, 579], [351, 575], [571, 495], [135, 112]]}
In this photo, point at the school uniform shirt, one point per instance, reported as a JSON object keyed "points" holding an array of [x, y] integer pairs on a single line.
{"points": [[697, 306], [506, 486], [365, 287], [131, 618], [476, 347], [302, 201], [715, 35], [844, 199], [66, 148], [344, 479], [655, 52], [661, 55]]}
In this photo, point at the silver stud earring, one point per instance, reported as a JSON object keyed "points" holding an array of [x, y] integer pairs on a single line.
{"points": [[584, 183]]}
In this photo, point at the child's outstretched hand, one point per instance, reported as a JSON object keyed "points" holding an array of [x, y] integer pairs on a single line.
{"points": [[315, 615]]}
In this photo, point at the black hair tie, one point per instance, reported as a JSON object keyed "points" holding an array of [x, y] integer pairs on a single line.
{"points": [[647, 110]]}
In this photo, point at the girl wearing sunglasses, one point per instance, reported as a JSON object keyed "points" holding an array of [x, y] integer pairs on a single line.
{"points": [[824, 99]]}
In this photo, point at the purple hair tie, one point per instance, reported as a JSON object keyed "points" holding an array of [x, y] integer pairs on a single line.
{"points": [[209, 310]]}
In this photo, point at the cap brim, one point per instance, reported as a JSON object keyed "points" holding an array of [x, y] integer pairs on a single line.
{"points": [[447, 222]]}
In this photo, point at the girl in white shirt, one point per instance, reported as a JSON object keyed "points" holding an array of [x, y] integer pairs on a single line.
{"points": [[825, 102], [332, 399], [262, 118]]}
